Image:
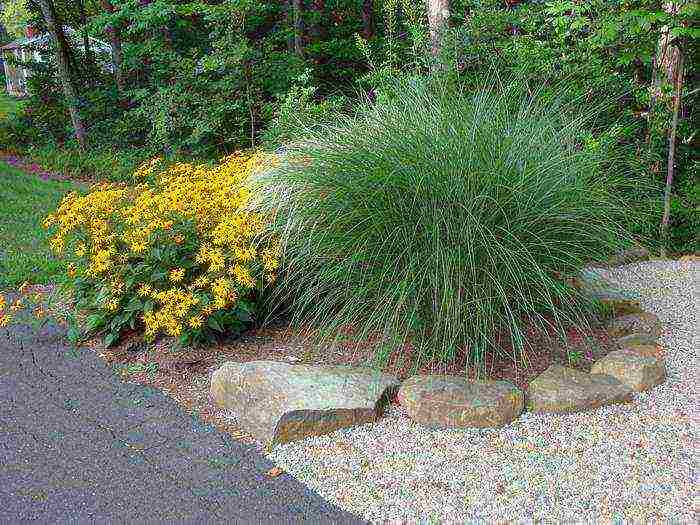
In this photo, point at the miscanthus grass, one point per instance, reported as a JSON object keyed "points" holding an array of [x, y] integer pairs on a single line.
{"points": [[446, 219]]}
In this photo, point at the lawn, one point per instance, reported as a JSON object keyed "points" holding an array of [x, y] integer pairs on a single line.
{"points": [[8, 105], [24, 201]]}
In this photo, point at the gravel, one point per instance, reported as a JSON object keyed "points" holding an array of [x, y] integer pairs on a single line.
{"points": [[632, 463]]}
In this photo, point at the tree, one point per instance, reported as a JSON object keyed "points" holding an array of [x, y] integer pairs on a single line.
{"points": [[63, 59], [14, 15], [113, 30], [438, 15], [367, 19], [295, 13], [668, 70]]}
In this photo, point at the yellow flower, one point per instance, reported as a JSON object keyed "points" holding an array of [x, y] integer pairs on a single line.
{"points": [[138, 247], [177, 274], [16, 306], [39, 312], [195, 322], [71, 270], [112, 305], [144, 290], [80, 249], [4, 320], [23, 287], [56, 243], [2, 301]]}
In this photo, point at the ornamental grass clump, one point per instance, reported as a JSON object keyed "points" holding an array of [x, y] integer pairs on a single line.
{"points": [[176, 253], [446, 219]]}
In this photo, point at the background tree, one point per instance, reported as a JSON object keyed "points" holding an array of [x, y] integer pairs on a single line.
{"points": [[438, 16], [63, 60]]}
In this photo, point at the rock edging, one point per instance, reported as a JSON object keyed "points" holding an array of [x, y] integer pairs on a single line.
{"points": [[279, 402]]}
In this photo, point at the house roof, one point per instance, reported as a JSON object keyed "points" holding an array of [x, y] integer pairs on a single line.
{"points": [[40, 39]]}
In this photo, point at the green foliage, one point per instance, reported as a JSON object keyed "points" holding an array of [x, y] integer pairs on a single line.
{"points": [[101, 164], [24, 254], [298, 112], [443, 217]]}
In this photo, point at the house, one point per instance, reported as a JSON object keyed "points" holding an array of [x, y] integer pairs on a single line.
{"points": [[29, 49]]}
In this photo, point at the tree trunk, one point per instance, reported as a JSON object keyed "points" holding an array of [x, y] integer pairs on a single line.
{"points": [[63, 59], [666, 219], [438, 15], [317, 30], [115, 41], [297, 12], [367, 19], [86, 37], [665, 63]]}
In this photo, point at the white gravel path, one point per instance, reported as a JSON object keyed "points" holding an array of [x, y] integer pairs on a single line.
{"points": [[636, 463]]}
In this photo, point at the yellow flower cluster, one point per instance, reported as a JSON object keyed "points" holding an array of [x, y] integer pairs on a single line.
{"points": [[4, 316], [199, 212]]}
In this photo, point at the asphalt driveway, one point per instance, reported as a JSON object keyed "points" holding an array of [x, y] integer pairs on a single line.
{"points": [[79, 445]]}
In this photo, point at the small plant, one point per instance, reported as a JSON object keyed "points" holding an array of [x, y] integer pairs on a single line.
{"points": [[574, 356], [175, 254]]}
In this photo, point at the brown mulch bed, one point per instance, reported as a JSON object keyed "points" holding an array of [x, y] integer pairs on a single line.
{"points": [[184, 374]]}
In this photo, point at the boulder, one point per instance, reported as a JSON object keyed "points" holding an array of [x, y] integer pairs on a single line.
{"points": [[440, 401], [638, 367], [639, 323], [631, 255], [564, 390], [637, 338], [646, 349], [597, 287], [280, 402]]}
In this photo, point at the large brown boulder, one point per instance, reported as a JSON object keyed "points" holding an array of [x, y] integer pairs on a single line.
{"points": [[640, 367], [564, 390], [440, 401], [280, 402], [638, 323]]}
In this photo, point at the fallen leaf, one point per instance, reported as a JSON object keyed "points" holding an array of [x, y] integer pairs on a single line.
{"points": [[274, 472]]}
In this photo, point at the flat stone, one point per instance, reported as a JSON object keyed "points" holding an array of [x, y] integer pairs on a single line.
{"points": [[638, 323], [637, 338], [564, 390], [440, 401], [279, 402], [598, 287], [638, 367], [629, 256]]}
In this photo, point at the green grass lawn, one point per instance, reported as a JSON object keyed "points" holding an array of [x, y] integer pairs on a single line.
{"points": [[24, 252], [8, 105]]}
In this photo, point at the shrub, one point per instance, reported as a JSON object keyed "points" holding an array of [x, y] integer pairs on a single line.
{"points": [[175, 253], [442, 218], [101, 163]]}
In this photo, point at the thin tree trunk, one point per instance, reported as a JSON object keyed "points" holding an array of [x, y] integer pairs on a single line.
{"points": [[86, 37], [665, 65], [63, 59], [298, 25], [438, 15], [367, 19], [115, 40], [317, 29], [666, 219]]}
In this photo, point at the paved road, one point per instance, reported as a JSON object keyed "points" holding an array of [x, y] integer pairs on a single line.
{"points": [[79, 445]]}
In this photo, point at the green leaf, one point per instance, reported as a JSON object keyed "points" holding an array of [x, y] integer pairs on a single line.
{"points": [[94, 322], [214, 324], [111, 338]]}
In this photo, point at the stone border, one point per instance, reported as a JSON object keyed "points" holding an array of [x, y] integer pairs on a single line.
{"points": [[278, 406]]}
